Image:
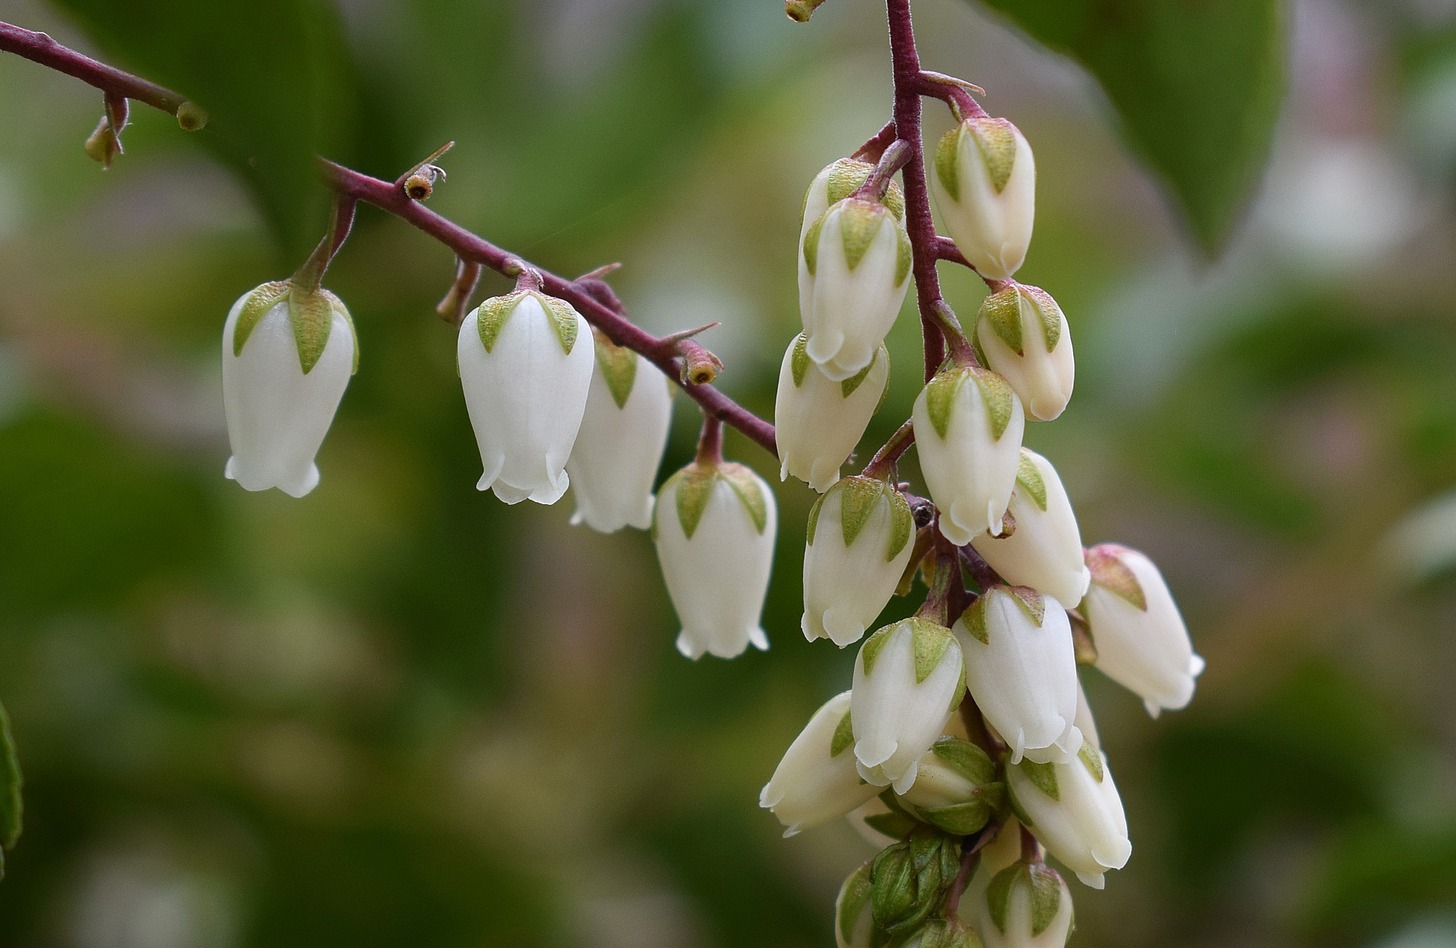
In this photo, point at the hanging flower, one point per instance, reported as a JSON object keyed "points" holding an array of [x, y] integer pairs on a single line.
{"points": [[1023, 335], [526, 372], [1044, 551], [985, 187], [714, 526], [817, 781], [1142, 643], [287, 354], [817, 422], [1075, 812], [968, 428], [859, 543], [623, 435]]}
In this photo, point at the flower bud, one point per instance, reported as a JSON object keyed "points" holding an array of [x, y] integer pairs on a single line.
{"points": [[955, 787], [985, 187], [1045, 550], [854, 923], [854, 269], [837, 181], [1142, 643], [1028, 906], [909, 879], [1075, 812], [907, 678], [817, 781], [1023, 335], [525, 366], [1022, 670], [287, 354], [968, 428], [623, 434], [858, 547], [817, 422], [714, 527], [943, 933]]}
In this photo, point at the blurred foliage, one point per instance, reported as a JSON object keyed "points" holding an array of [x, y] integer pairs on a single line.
{"points": [[1198, 86], [398, 712]]}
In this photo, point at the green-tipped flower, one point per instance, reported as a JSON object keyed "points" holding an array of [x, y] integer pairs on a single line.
{"points": [[985, 186]]}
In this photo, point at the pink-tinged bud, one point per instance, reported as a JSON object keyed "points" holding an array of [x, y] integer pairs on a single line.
{"points": [[985, 186], [817, 781], [968, 428], [1142, 643], [1044, 551], [1023, 335]]}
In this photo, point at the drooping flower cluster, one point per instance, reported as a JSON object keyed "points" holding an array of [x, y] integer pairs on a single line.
{"points": [[1021, 765]]}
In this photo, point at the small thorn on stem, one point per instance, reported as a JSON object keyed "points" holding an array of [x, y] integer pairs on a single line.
{"points": [[457, 300], [600, 272]]}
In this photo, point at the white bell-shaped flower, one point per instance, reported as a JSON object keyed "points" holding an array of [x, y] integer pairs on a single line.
{"points": [[854, 266], [968, 429], [817, 781], [859, 543], [908, 678], [623, 434], [985, 187], [1021, 668], [1028, 905], [1075, 812], [714, 526], [1142, 643], [1044, 551], [1023, 335], [526, 365], [817, 421], [287, 354]]}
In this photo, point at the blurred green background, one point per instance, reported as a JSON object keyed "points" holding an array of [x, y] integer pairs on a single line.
{"points": [[397, 712]]}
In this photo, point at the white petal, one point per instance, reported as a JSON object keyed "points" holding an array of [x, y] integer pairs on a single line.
{"points": [[614, 462]]}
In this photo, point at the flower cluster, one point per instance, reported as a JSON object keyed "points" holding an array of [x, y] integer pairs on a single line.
{"points": [[967, 805]]}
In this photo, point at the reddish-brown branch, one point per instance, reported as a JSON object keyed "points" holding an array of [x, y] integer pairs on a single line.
{"points": [[353, 186]]}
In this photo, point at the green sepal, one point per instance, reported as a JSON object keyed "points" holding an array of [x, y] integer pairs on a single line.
{"points": [[947, 155], [859, 223], [1001, 311], [961, 819], [1029, 479], [854, 897], [492, 314], [11, 780], [996, 139], [998, 894], [1092, 759], [904, 255], [799, 360], [694, 488], [1048, 313], [902, 524], [843, 736], [1044, 888], [811, 242], [870, 651], [858, 497], [893, 824], [1043, 777], [999, 399], [1111, 573], [930, 641], [618, 366], [940, 394], [1032, 602], [973, 620], [311, 314], [848, 175], [750, 491], [851, 385], [259, 301], [966, 759], [564, 320], [813, 525]]}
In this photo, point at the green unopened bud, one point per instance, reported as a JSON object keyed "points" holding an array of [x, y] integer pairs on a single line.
{"points": [[103, 145], [800, 10], [943, 933], [909, 880], [956, 788]]}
